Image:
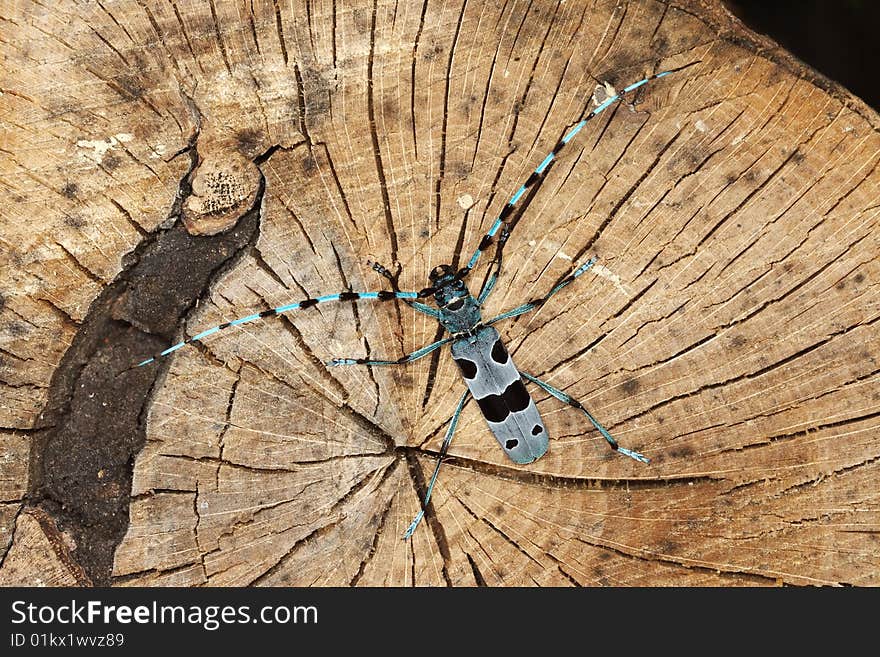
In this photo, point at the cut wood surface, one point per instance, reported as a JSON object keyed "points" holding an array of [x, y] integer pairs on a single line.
{"points": [[169, 166]]}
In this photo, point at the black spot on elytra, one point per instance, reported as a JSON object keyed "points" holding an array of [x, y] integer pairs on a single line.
{"points": [[516, 396], [510, 444], [70, 190], [493, 408], [630, 386], [497, 407], [499, 353], [537, 430], [468, 367]]}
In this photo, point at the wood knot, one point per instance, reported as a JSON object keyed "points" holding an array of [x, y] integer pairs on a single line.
{"points": [[224, 187]]}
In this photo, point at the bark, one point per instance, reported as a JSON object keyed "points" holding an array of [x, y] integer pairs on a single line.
{"points": [[170, 166]]}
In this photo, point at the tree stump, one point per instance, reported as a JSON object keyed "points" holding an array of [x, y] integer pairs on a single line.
{"points": [[170, 166]]}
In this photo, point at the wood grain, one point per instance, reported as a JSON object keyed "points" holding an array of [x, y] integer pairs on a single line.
{"points": [[729, 330]]}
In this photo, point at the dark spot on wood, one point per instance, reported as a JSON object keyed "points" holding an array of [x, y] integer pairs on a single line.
{"points": [[70, 190], [130, 87], [738, 341], [682, 451], [461, 169], [630, 386], [316, 90], [308, 164], [111, 162], [363, 20], [858, 278], [249, 142], [16, 329], [2, 302], [74, 221], [432, 53], [841, 285], [798, 156], [318, 104], [390, 108]]}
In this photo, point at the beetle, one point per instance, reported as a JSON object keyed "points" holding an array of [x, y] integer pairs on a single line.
{"points": [[486, 366]]}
